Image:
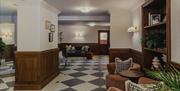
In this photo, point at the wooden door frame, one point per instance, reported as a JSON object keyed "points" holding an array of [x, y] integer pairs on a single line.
{"points": [[106, 31]]}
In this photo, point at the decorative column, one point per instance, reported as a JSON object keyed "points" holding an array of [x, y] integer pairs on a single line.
{"points": [[36, 57]]}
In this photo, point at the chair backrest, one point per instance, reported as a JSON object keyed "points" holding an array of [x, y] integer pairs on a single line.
{"points": [[130, 86]]}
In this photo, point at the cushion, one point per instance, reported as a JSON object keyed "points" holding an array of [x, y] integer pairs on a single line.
{"points": [[86, 48], [68, 48], [117, 59], [131, 86], [123, 65], [156, 86]]}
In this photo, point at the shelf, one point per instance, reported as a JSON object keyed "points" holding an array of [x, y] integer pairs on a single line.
{"points": [[148, 3], [155, 25], [156, 50]]}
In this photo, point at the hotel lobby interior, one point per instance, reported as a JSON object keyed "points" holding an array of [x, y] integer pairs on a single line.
{"points": [[89, 45]]}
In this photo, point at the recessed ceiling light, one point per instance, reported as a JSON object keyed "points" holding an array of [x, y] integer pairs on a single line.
{"points": [[85, 9], [92, 24]]}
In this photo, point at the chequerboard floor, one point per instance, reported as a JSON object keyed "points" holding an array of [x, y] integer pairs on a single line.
{"points": [[79, 75]]}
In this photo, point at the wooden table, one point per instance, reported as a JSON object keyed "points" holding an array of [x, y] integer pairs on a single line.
{"points": [[132, 75], [89, 55]]}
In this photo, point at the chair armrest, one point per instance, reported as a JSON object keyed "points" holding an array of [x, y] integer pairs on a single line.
{"points": [[145, 80], [116, 81], [113, 89], [111, 68]]}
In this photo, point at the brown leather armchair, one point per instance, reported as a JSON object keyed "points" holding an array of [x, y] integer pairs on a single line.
{"points": [[115, 80], [142, 80]]}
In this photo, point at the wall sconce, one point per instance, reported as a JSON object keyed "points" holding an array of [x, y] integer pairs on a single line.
{"points": [[6, 34], [132, 29]]}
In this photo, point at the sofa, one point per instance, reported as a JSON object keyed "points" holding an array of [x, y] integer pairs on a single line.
{"points": [[75, 51], [115, 80]]}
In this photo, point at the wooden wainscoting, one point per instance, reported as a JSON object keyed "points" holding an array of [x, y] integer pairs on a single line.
{"points": [[125, 53], [137, 57], [35, 69], [122, 53]]}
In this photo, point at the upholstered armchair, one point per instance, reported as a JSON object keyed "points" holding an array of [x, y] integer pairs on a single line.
{"points": [[115, 80], [142, 80]]}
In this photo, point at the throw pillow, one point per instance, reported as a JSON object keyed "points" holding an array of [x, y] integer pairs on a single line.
{"points": [[156, 86], [68, 49], [123, 65], [117, 59], [86, 48], [131, 86]]}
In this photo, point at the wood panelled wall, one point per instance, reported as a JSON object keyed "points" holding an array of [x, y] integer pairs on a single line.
{"points": [[93, 46], [125, 53], [35, 69]]}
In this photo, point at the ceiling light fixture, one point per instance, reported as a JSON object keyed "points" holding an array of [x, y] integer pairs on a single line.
{"points": [[85, 9], [92, 24]]}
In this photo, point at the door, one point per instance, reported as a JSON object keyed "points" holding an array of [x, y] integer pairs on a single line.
{"points": [[103, 41]]}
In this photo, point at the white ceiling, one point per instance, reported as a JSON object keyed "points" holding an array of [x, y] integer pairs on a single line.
{"points": [[99, 5], [7, 7]]}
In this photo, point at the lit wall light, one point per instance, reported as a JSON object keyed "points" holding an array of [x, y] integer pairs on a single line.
{"points": [[132, 29], [6, 34], [85, 9], [92, 24]]}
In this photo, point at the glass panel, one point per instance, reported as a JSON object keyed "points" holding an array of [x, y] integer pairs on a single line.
{"points": [[103, 38]]}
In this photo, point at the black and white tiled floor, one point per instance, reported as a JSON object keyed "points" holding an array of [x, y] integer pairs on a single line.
{"points": [[79, 75], [7, 77]]}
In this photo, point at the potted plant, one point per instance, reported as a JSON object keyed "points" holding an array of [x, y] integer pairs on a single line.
{"points": [[2, 49], [154, 40], [170, 76]]}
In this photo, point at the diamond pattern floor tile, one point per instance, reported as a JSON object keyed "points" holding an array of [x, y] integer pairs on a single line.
{"points": [[98, 82], [85, 87], [79, 75], [73, 82]]}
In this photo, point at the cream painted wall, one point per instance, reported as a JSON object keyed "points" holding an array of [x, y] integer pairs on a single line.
{"points": [[137, 22], [120, 21], [31, 17], [47, 12], [28, 25], [175, 31], [87, 34]]}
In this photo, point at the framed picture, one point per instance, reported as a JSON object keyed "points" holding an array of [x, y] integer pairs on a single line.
{"points": [[47, 25], [52, 28], [155, 19], [50, 37]]}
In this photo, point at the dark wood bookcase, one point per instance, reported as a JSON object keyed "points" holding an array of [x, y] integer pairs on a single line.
{"points": [[156, 24]]}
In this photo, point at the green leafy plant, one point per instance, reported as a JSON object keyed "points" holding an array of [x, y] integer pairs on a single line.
{"points": [[2, 48], [171, 77], [154, 40]]}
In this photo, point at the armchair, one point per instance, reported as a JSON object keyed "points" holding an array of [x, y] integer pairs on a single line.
{"points": [[115, 80], [142, 80]]}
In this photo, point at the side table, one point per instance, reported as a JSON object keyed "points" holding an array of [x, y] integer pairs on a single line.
{"points": [[132, 75], [89, 55]]}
